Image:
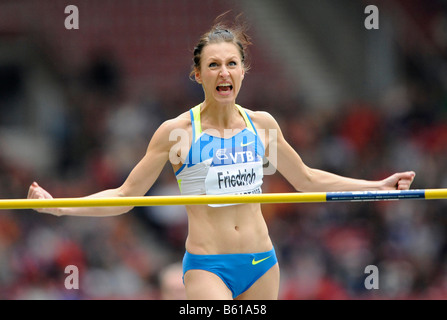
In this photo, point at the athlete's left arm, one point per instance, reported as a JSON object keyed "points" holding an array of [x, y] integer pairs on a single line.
{"points": [[303, 178]]}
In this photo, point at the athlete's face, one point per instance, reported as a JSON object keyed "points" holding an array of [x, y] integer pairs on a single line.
{"points": [[221, 72]]}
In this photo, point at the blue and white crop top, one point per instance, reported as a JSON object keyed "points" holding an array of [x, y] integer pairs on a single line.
{"points": [[217, 165]]}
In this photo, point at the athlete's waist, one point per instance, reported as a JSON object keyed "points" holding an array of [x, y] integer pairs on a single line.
{"points": [[228, 238]]}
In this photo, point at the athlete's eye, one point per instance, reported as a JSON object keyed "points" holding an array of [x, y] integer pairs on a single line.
{"points": [[213, 65], [232, 64]]}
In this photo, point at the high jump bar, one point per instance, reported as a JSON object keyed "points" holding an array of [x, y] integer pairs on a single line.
{"points": [[293, 197]]}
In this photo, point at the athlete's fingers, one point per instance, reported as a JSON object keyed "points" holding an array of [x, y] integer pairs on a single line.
{"points": [[409, 175], [34, 193], [31, 189], [399, 181], [405, 180], [37, 192], [403, 184], [45, 194]]}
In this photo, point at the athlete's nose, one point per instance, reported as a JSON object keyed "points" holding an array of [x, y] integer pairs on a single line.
{"points": [[224, 72]]}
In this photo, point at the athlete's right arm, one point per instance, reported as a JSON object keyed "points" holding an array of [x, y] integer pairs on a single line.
{"points": [[139, 181]]}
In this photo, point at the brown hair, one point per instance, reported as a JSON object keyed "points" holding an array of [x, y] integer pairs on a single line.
{"points": [[222, 32]]}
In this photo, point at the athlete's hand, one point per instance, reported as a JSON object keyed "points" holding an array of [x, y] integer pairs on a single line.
{"points": [[399, 181], [37, 192]]}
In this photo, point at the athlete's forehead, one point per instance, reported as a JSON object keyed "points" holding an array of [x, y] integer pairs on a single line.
{"points": [[221, 51]]}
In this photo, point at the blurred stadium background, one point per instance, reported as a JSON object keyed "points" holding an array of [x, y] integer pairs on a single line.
{"points": [[78, 107]]}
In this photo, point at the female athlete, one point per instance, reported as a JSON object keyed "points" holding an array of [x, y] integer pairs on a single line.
{"points": [[218, 147]]}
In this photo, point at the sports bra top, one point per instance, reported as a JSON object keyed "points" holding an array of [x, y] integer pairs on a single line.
{"points": [[217, 165]]}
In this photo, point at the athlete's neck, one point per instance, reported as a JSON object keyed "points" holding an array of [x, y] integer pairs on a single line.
{"points": [[220, 116]]}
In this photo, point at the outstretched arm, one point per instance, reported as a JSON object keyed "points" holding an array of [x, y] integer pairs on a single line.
{"points": [[306, 179], [139, 181]]}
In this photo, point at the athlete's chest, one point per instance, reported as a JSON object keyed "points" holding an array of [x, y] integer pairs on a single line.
{"points": [[243, 147]]}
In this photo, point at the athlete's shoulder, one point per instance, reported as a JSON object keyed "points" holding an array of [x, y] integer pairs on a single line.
{"points": [[261, 119], [182, 121]]}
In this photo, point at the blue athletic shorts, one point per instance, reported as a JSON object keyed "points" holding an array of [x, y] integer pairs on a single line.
{"points": [[238, 271]]}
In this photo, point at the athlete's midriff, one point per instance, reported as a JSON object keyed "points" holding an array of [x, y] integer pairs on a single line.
{"points": [[233, 229]]}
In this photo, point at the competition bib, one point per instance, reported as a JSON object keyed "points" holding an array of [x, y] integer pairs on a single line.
{"points": [[234, 171]]}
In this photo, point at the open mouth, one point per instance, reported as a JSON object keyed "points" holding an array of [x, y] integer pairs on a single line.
{"points": [[224, 87]]}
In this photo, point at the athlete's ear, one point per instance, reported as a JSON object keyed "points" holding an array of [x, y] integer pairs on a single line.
{"points": [[197, 76], [243, 74]]}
